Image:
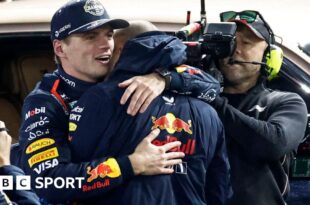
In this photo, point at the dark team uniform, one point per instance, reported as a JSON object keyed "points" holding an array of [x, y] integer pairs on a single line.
{"points": [[43, 142], [101, 127], [44, 151]]}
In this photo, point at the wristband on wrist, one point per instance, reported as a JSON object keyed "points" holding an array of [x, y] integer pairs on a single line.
{"points": [[166, 74], [3, 129]]}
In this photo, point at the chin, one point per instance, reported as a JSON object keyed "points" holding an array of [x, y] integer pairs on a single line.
{"points": [[234, 79], [102, 75]]}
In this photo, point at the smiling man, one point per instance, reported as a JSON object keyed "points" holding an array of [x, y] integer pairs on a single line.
{"points": [[263, 127], [82, 37], [82, 57]]}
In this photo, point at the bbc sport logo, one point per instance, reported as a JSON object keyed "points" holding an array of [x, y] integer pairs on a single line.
{"points": [[24, 182]]}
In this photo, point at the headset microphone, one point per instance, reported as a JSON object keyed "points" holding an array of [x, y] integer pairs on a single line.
{"points": [[232, 61]]}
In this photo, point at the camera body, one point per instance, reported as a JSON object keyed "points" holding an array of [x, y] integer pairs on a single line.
{"points": [[218, 39], [213, 41]]}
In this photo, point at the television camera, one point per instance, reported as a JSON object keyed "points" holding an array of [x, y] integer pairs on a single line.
{"points": [[207, 41]]}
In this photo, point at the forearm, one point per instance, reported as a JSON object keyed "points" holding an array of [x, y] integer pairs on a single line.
{"points": [[91, 178], [191, 81], [266, 139]]}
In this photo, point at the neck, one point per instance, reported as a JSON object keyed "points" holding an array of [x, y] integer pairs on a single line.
{"points": [[76, 74], [239, 88]]}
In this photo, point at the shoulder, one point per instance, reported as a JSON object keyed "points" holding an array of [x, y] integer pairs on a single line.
{"points": [[283, 96], [101, 94], [42, 94], [202, 106], [286, 103], [40, 98], [104, 91], [199, 108], [42, 91], [98, 92], [41, 104]]}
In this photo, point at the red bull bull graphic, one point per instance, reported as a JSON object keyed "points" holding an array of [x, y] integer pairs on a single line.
{"points": [[187, 148], [172, 124], [187, 68], [108, 168]]}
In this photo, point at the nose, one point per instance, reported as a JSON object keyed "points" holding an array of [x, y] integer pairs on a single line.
{"points": [[104, 39], [237, 49], [104, 43]]}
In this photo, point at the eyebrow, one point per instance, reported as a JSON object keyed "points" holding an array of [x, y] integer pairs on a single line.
{"points": [[90, 33], [95, 32]]}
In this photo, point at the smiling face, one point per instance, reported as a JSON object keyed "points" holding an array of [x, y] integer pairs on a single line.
{"points": [[86, 56], [248, 48]]}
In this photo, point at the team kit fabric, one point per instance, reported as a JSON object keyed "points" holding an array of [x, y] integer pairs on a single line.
{"points": [[101, 127], [263, 128], [43, 147], [12, 197]]}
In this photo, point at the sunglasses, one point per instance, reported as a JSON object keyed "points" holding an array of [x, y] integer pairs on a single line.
{"points": [[248, 15]]}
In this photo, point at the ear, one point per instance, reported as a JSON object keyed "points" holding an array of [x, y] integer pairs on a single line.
{"points": [[119, 50], [58, 48]]}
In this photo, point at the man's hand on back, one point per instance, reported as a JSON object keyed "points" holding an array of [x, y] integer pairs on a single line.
{"points": [[149, 159]]}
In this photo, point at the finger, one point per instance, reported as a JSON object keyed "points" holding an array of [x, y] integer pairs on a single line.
{"points": [[174, 155], [6, 138], [9, 139], [2, 127], [126, 83], [147, 103], [171, 145], [2, 124], [141, 100], [128, 92], [152, 135], [173, 162], [166, 170], [134, 100]]}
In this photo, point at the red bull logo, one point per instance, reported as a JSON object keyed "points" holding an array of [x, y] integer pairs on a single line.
{"points": [[108, 168], [172, 124], [96, 185], [188, 147], [189, 69], [193, 71]]}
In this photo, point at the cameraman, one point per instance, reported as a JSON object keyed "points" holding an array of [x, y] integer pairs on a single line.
{"points": [[263, 126], [18, 196]]}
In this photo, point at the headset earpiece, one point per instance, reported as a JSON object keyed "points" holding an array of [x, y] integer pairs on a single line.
{"points": [[274, 59]]}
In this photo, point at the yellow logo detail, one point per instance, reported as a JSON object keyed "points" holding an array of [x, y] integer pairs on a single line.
{"points": [[42, 156], [181, 68], [39, 144], [72, 126]]}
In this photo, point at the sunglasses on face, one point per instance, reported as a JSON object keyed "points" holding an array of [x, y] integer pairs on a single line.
{"points": [[248, 15]]}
